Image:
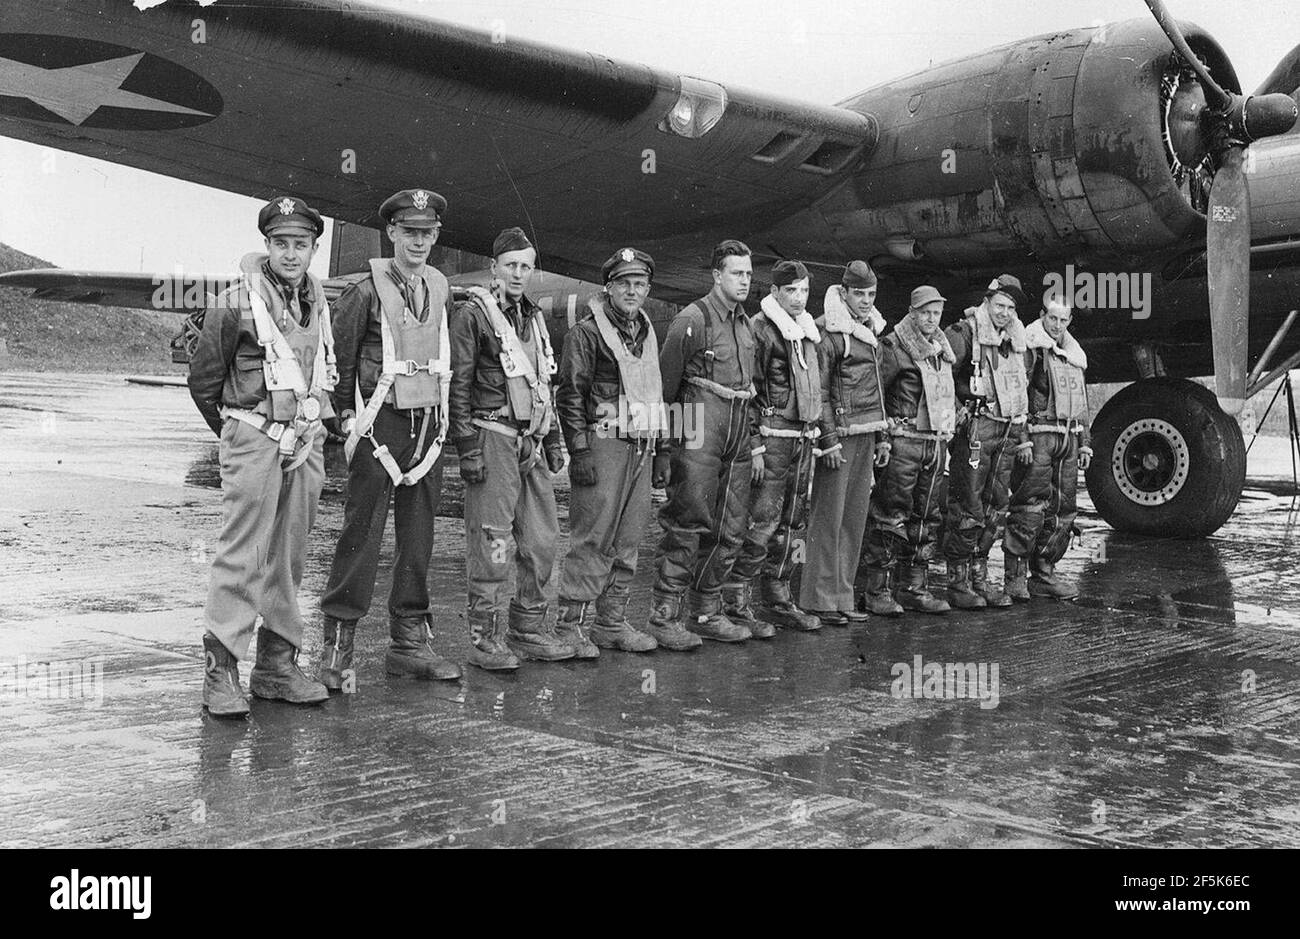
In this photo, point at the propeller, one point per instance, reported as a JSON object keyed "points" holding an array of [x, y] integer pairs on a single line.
{"points": [[1285, 77], [1229, 123]]}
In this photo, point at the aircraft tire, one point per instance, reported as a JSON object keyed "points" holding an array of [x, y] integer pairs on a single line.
{"points": [[1167, 460]]}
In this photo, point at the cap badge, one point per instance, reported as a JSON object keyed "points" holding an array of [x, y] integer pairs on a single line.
{"points": [[995, 284], [421, 199], [627, 254], [287, 206]]}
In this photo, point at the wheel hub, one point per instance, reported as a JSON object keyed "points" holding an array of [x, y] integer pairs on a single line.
{"points": [[1150, 461]]}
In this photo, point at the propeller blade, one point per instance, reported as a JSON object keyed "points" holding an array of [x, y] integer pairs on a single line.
{"points": [[1284, 79], [1215, 96], [1227, 246]]}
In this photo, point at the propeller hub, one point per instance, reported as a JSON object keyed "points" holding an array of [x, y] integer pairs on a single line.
{"points": [[1266, 116]]}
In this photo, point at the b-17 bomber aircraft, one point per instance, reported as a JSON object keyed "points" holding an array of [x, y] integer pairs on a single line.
{"points": [[1120, 164]]}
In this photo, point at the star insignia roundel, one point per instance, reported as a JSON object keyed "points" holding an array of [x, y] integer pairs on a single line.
{"points": [[287, 206], [421, 199]]}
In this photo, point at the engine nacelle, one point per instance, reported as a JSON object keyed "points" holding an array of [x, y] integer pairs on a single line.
{"points": [[1082, 144]]}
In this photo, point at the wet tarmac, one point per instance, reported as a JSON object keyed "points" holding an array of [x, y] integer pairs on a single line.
{"points": [[1160, 709]]}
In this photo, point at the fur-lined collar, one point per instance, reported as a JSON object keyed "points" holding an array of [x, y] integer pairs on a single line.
{"points": [[986, 334], [792, 330], [1068, 348], [838, 319], [917, 346]]}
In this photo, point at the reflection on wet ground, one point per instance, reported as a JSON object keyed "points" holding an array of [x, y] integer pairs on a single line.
{"points": [[1158, 709]]}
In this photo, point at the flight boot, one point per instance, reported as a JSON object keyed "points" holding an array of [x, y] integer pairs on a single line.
{"points": [[487, 636], [222, 695], [666, 625], [276, 675], [531, 637], [611, 630], [879, 601], [779, 607], [336, 653], [961, 596], [1043, 582], [704, 617], [738, 606], [914, 591], [1017, 569], [410, 651], [573, 622], [991, 591]]}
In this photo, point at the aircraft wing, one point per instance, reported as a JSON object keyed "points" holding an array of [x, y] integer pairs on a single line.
{"points": [[344, 104]]}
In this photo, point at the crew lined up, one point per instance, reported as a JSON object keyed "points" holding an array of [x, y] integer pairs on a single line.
{"points": [[793, 419]]}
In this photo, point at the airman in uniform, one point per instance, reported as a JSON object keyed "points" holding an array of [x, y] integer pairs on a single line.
{"points": [[853, 444], [707, 364], [790, 410], [992, 389], [609, 401], [1043, 492], [261, 376], [503, 419], [916, 365], [393, 345]]}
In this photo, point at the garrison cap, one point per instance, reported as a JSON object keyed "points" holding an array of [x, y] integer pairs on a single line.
{"points": [[785, 273], [286, 215], [1010, 285], [925, 294], [858, 274], [627, 261], [510, 239], [414, 208]]}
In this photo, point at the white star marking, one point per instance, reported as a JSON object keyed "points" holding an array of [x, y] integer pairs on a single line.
{"points": [[78, 91]]}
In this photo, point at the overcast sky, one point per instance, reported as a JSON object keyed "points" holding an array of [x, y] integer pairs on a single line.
{"points": [[94, 215]]}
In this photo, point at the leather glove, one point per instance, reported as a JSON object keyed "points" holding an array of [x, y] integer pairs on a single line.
{"points": [[662, 472], [334, 427], [582, 471], [472, 468], [756, 469], [555, 458], [883, 452]]}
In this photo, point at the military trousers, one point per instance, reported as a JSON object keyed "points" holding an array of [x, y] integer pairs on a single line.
{"points": [[775, 542], [837, 523], [266, 514], [979, 487], [515, 502], [905, 514], [708, 498], [351, 584], [1043, 499], [607, 520]]}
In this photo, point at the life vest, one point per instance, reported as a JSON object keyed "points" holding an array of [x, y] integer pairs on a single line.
{"points": [[527, 370], [416, 369], [1066, 364], [416, 347], [937, 412], [641, 411], [1002, 381], [298, 363]]}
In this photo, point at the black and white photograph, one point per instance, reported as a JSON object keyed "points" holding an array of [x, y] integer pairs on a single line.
{"points": [[504, 424]]}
